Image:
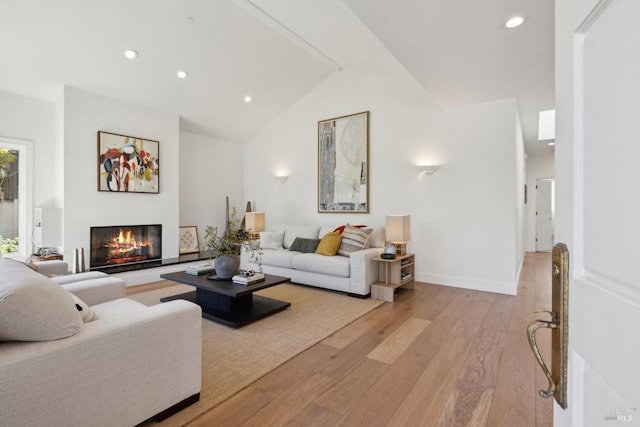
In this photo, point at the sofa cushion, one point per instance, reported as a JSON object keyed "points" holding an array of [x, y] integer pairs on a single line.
{"points": [[119, 308], [78, 277], [308, 246], [304, 231], [96, 291], [353, 239], [85, 311], [376, 238], [277, 257], [271, 239], [329, 244], [34, 307], [315, 263], [50, 268]]}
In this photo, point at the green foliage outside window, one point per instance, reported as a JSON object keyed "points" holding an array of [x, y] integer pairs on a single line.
{"points": [[8, 245], [7, 157]]}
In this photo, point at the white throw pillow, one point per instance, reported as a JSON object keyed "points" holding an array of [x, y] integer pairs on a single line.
{"points": [[34, 307], [271, 239], [85, 311]]}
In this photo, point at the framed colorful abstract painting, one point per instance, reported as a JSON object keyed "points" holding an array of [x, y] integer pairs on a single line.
{"points": [[128, 164]]}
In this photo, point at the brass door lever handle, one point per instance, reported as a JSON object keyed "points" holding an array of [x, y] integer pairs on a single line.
{"points": [[531, 333], [556, 372], [554, 315]]}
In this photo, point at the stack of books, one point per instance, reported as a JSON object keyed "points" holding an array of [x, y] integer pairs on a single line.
{"points": [[197, 270], [404, 277], [244, 280]]}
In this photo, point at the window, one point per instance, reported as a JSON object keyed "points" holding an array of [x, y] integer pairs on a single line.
{"points": [[15, 201]]}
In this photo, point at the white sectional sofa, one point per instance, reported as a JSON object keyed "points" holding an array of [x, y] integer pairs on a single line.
{"points": [[352, 274], [127, 365]]}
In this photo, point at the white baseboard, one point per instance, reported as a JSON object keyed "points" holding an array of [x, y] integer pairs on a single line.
{"points": [[469, 283]]}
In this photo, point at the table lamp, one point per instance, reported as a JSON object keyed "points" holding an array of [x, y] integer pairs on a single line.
{"points": [[398, 231], [254, 224]]}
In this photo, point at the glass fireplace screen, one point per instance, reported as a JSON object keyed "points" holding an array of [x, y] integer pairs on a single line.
{"points": [[125, 244]]}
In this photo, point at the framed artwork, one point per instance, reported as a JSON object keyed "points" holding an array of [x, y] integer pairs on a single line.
{"points": [[128, 164], [343, 164], [189, 240]]}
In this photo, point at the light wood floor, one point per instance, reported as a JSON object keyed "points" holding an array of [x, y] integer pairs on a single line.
{"points": [[437, 356]]}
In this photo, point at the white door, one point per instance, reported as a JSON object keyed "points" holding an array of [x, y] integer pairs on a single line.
{"points": [[544, 215], [598, 206]]}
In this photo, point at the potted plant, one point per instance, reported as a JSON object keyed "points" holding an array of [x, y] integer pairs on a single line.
{"points": [[226, 247]]}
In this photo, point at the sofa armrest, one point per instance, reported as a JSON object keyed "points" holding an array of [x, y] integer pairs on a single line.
{"points": [[52, 268], [364, 271], [130, 364], [99, 290]]}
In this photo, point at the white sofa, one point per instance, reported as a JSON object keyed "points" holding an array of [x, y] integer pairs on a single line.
{"points": [[129, 364], [352, 274]]}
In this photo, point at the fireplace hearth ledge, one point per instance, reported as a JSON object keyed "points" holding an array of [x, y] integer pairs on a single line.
{"points": [[134, 266]]}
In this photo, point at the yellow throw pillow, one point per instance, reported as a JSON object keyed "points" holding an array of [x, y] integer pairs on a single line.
{"points": [[329, 244]]}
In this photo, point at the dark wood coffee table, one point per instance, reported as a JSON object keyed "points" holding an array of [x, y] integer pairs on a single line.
{"points": [[226, 302]]}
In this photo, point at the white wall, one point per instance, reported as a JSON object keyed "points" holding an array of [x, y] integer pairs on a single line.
{"points": [[197, 172], [28, 119], [210, 170], [538, 166], [519, 202], [34, 120], [464, 217], [84, 206], [464, 229]]}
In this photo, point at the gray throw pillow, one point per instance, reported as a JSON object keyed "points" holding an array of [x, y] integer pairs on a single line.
{"points": [[304, 245]]}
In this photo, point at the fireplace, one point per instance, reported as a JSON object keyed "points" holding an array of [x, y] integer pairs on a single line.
{"points": [[125, 245]]}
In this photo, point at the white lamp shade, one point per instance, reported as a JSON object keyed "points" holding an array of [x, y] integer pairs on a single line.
{"points": [[254, 221], [398, 228]]}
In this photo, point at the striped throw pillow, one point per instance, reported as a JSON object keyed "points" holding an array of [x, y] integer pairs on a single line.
{"points": [[353, 239]]}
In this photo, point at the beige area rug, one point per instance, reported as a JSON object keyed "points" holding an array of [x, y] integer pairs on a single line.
{"points": [[234, 358]]}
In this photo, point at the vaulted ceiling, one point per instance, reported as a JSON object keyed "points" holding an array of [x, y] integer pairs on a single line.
{"points": [[276, 51]]}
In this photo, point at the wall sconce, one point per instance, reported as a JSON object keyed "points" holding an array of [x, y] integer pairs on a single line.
{"points": [[282, 178], [398, 231], [428, 169]]}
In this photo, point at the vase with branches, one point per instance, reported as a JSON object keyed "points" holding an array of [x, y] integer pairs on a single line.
{"points": [[227, 245]]}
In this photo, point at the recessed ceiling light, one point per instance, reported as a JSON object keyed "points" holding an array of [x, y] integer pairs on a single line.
{"points": [[514, 22], [182, 74], [130, 54], [247, 99]]}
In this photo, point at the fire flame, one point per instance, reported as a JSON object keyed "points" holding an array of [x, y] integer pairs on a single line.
{"points": [[128, 241], [125, 243]]}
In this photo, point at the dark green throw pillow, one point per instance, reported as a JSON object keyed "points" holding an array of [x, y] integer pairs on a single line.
{"points": [[304, 245]]}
